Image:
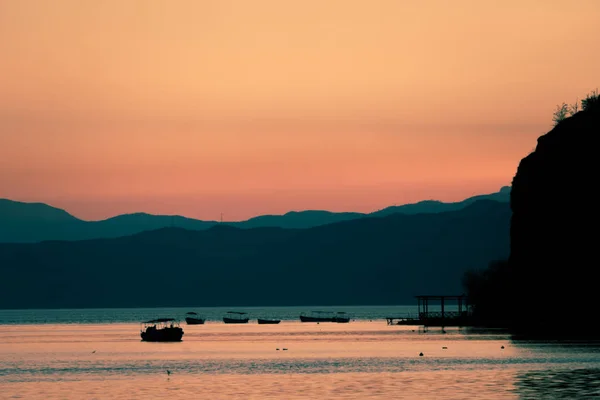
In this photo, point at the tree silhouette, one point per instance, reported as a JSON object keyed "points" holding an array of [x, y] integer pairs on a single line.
{"points": [[562, 112]]}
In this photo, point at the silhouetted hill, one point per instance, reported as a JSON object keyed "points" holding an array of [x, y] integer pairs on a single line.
{"points": [[552, 234], [34, 222], [385, 260], [129, 224], [547, 287], [15, 211], [433, 206], [37, 226], [297, 219], [31, 222]]}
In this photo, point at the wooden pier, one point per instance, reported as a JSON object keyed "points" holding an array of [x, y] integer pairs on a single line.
{"points": [[425, 317]]}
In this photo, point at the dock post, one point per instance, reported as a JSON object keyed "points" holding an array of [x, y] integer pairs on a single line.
{"points": [[443, 313]]}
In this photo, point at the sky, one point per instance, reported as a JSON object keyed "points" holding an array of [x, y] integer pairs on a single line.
{"points": [[197, 107]]}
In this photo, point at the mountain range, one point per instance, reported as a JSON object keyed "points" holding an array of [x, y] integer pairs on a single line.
{"points": [[35, 222], [375, 259]]}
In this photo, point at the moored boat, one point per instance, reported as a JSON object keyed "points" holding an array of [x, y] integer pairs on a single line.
{"points": [[317, 316], [341, 318], [236, 317], [193, 318], [161, 330], [266, 321]]}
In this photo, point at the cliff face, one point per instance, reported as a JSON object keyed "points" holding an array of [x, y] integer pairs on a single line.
{"points": [[553, 246]]}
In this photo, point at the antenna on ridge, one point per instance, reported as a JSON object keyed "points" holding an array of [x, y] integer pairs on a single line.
{"points": [[221, 217]]}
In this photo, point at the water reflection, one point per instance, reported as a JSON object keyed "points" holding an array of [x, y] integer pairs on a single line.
{"points": [[581, 383], [361, 360]]}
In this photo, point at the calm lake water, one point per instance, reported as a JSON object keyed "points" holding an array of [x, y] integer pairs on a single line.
{"points": [[97, 354]]}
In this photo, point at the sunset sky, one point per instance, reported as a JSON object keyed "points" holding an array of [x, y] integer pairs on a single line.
{"points": [[253, 107]]}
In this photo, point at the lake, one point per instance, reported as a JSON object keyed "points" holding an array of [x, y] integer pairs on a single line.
{"points": [[97, 354]]}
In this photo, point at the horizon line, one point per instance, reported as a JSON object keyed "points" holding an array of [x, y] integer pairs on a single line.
{"points": [[219, 221]]}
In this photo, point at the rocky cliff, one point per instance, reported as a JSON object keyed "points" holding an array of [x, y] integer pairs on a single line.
{"points": [[553, 245]]}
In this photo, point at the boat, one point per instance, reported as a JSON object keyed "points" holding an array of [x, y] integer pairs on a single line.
{"points": [[236, 317], [317, 316], [193, 318], [341, 318], [161, 330], [268, 321]]}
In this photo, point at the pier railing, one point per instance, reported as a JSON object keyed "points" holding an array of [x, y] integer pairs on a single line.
{"points": [[445, 314], [431, 318]]}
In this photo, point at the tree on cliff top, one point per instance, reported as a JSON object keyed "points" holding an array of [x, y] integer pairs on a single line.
{"points": [[590, 103]]}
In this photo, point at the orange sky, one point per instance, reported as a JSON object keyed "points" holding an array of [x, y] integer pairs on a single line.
{"points": [[265, 106]]}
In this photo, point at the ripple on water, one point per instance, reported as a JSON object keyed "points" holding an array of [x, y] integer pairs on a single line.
{"points": [[361, 360]]}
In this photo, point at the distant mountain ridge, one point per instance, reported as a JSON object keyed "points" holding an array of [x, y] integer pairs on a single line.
{"points": [[16, 211], [435, 206], [367, 261], [36, 222]]}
